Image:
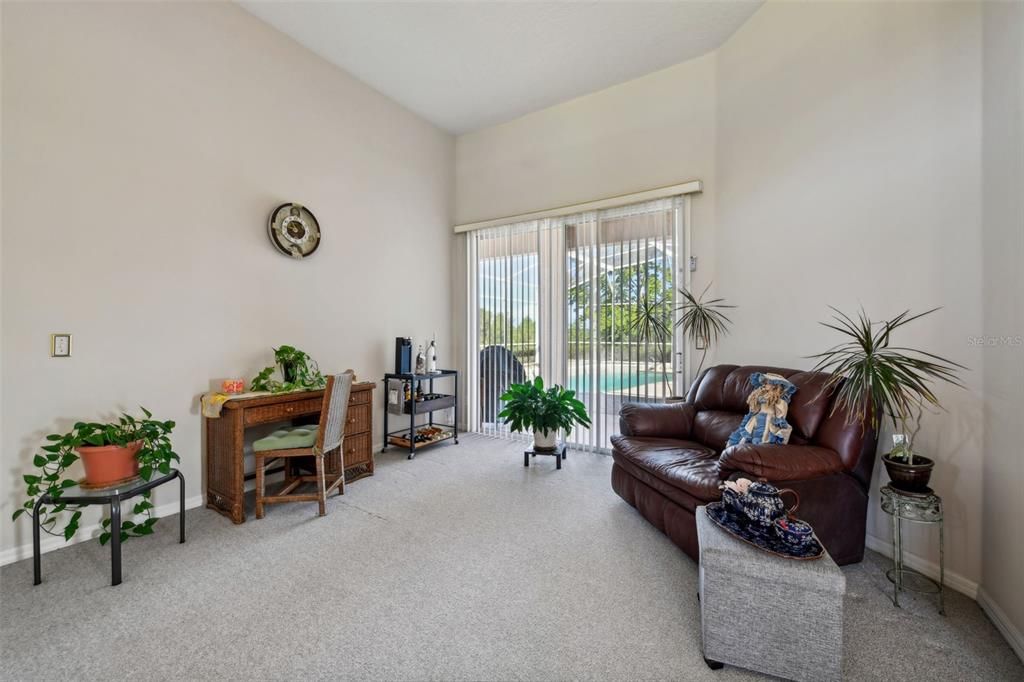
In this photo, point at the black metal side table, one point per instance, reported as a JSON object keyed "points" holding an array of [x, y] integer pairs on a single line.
{"points": [[918, 508], [77, 495], [558, 452]]}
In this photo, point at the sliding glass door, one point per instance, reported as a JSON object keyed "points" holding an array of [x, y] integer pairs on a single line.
{"points": [[586, 301]]}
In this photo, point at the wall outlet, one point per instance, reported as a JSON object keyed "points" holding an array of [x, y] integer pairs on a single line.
{"points": [[60, 345]]}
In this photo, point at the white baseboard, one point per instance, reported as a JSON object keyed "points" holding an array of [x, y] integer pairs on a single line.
{"points": [[50, 542], [953, 580], [1002, 622]]}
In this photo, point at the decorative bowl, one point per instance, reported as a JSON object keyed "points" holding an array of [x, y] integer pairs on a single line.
{"points": [[794, 531]]}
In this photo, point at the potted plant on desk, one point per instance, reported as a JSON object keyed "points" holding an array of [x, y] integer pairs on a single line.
{"points": [[111, 453], [873, 378], [529, 406]]}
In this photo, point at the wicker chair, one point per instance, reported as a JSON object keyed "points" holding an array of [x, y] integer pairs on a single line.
{"points": [[317, 442]]}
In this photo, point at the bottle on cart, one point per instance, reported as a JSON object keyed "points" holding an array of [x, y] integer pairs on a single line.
{"points": [[407, 391], [421, 361], [419, 392], [432, 357]]}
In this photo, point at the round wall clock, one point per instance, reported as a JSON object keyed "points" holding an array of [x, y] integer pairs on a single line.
{"points": [[293, 230]]}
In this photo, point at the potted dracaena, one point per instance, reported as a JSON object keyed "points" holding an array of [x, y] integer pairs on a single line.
{"points": [[703, 322], [546, 411], [111, 453], [874, 379]]}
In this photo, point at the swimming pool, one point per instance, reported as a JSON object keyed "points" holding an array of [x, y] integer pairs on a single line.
{"points": [[613, 382]]}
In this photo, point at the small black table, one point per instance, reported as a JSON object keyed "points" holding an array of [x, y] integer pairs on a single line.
{"points": [[558, 452], [113, 496]]}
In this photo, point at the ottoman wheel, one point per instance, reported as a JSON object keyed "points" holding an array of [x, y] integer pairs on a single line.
{"points": [[714, 665]]}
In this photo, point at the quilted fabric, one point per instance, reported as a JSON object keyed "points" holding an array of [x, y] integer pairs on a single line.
{"points": [[286, 439]]}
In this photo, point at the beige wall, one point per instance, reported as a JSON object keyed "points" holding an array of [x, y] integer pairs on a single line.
{"points": [[839, 144], [849, 175], [650, 132], [144, 146], [1002, 584]]}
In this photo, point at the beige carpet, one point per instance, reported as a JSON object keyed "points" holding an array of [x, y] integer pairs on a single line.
{"points": [[460, 564]]}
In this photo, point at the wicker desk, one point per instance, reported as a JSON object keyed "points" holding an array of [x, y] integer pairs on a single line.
{"points": [[225, 473]]}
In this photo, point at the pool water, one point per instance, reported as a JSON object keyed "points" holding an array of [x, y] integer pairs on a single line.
{"points": [[616, 383]]}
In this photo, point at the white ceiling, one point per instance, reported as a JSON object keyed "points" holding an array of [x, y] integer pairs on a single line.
{"points": [[470, 65]]}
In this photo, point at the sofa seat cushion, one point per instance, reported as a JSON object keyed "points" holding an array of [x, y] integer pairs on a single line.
{"points": [[683, 471]]}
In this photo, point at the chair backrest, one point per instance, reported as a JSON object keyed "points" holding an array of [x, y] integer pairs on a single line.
{"points": [[333, 412]]}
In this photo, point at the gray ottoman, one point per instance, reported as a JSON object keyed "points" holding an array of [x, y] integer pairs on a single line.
{"points": [[769, 614]]}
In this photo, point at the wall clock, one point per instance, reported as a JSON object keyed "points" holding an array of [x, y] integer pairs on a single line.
{"points": [[293, 230]]}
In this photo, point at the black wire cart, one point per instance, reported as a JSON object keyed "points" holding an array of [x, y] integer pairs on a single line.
{"points": [[112, 496], [432, 402]]}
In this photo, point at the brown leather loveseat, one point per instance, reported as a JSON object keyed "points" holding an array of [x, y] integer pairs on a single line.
{"points": [[671, 458]]}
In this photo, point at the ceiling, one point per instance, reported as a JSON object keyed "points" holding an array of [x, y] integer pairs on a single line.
{"points": [[469, 65]]}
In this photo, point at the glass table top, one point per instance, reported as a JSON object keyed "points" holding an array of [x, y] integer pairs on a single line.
{"points": [[121, 489]]}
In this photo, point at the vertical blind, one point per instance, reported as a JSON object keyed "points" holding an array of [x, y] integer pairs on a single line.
{"points": [[586, 301]]}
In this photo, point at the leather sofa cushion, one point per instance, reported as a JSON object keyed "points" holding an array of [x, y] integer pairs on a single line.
{"points": [[713, 427], [684, 471]]}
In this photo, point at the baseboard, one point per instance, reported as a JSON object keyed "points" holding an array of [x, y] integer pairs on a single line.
{"points": [[1002, 622], [50, 543], [953, 580]]}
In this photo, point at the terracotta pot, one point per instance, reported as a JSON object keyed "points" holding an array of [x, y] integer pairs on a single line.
{"points": [[910, 477], [108, 464]]}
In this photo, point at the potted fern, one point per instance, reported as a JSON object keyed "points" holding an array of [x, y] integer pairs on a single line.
{"points": [[874, 379], [546, 411]]}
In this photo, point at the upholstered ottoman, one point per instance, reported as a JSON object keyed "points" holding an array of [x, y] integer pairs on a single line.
{"points": [[766, 613]]}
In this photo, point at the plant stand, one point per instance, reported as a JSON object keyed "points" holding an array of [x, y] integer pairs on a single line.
{"points": [[407, 438], [78, 495], [917, 508], [559, 453]]}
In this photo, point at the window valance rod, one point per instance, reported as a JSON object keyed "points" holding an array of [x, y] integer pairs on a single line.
{"points": [[691, 187]]}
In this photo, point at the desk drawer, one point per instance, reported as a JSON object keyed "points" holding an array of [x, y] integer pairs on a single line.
{"points": [[358, 450], [360, 397], [357, 419], [282, 411]]}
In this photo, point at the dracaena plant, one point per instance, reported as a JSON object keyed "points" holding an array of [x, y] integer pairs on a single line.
{"points": [[873, 378], [530, 406], [61, 451], [703, 322]]}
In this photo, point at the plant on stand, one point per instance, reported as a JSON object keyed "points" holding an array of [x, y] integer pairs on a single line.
{"points": [[873, 379], [111, 453], [546, 411], [297, 370], [703, 322]]}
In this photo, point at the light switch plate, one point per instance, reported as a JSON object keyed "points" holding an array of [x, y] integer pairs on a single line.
{"points": [[60, 345]]}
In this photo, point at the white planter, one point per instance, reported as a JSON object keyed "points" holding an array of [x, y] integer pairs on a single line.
{"points": [[545, 440]]}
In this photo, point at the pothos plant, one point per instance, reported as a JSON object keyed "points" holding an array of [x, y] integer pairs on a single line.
{"points": [[51, 477], [298, 371]]}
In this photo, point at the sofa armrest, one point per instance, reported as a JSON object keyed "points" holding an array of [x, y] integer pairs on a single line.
{"points": [[674, 420], [780, 462]]}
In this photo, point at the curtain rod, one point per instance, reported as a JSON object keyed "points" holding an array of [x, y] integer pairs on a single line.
{"points": [[691, 187]]}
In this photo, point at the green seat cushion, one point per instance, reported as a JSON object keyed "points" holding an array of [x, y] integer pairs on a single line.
{"points": [[286, 439]]}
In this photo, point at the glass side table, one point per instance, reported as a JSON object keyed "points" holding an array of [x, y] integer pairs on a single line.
{"points": [[112, 497], [923, 507]]}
